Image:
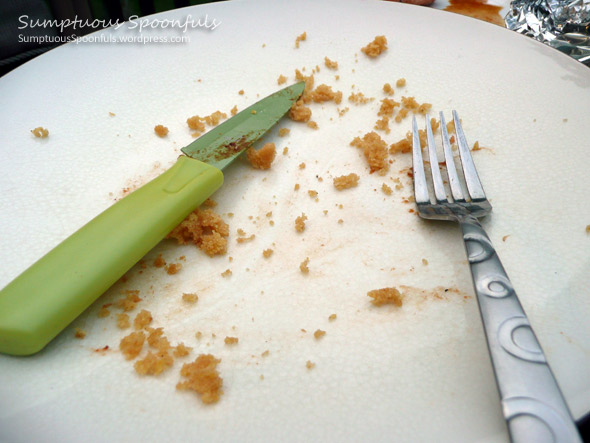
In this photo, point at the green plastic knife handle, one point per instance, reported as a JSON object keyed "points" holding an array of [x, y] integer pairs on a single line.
{"points": [[49, 295]]}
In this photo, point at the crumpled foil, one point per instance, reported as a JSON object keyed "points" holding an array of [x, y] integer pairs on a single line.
{"points": [[561, 24]]}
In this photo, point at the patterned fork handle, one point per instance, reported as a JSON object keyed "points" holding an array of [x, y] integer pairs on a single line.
{"points": [[531, 400]]}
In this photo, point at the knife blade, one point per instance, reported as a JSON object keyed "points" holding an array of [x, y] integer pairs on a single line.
{"points": [[49, 295]]}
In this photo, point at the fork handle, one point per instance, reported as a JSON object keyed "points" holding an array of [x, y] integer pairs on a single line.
{"points": [[532, 402]]}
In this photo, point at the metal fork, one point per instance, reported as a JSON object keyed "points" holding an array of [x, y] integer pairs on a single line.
{"points": [[532, 403]]}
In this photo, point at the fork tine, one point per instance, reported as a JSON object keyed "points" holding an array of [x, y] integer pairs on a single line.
{"points": [[469, 172], [439, 188], [454, 182], [420, 187]]}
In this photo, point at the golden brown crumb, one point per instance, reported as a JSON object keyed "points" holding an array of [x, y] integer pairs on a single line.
{"points": [[296, 187], [123, 321], [400, 83], [40, 132], [303, 266], [376, 47], [386, 189], [284, 131], [299, 112], [374, 149], [195, 123], [80, 333], [265, 353], [253, 112], [402, 146], [161, 131], [476, 146], [388, 89], [359, 98], [332, 317], [340, 221], [312, 193], [143, 319], [241, 92], [323, 93], [112, 114], [346, 181], [209, 203], [203, 378], [587, 229], [180, 350], [424, 108], [330, 64], [157, 340], [267, 253], [154, 363], [245, 239], [309, 365], [301, 165], [204, 228], [198, 335], [234, 110], [104, 312], [424, 262], [319, 334], [386, 296], [132, 344], [312, 125], [382, 125], [159, 262], [190, 297], [300, 38], [387, 107], [300, 222], [281, 80], [130, 300], [226, 273], [173, 268], [231, 340], [263, 157]]}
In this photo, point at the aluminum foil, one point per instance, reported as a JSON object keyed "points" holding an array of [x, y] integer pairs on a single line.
{"points": [[562, 24]]}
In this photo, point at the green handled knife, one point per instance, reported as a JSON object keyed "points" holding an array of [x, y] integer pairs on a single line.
{"points": [[49, 295]]}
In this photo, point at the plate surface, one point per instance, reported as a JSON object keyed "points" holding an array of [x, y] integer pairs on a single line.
{"points": [[416, 373]]}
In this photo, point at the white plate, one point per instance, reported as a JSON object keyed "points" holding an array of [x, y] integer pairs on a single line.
{"points": [[419, 373]]}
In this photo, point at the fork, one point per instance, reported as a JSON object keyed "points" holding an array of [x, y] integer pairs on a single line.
{"points": [[532, 403]]}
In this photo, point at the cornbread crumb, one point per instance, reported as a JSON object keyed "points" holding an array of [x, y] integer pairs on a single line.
{"points": [[203, 378], [301, 165], [424, 262], [132, 344], [195, 123], [253, 112], [383, 125], [157, 340], [300, 38], [330, 64], [299, 112], [40, 132], [285, 150], [340, 221], [323, 93], [386, 296], [476, 146], [296, 187], [180, 350], [374, 149], [128, 302], [376, 47], [123, 321], [209, 203], [198, 335], [231, 340], [241, 92], [265, 353], [400, 83], [173, 268], [159, 262], [386, 189], [154, 363], [402, 146], [309, 365], [587, 229], [284, 131], [267, 253], [80, 333], [388, 89], [332, 317], [359, 98], [261, 158], [104, 312], [319, 334], [112, 114], [281, 80], [234, 110], [205, 229], [226, 273], [312, 193], [190, 297], [300, 222], [387, 107], [312, 125], [161, 131], [341, 112], [346, 181], [245, 239], [303, 266], [143, 319]]}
